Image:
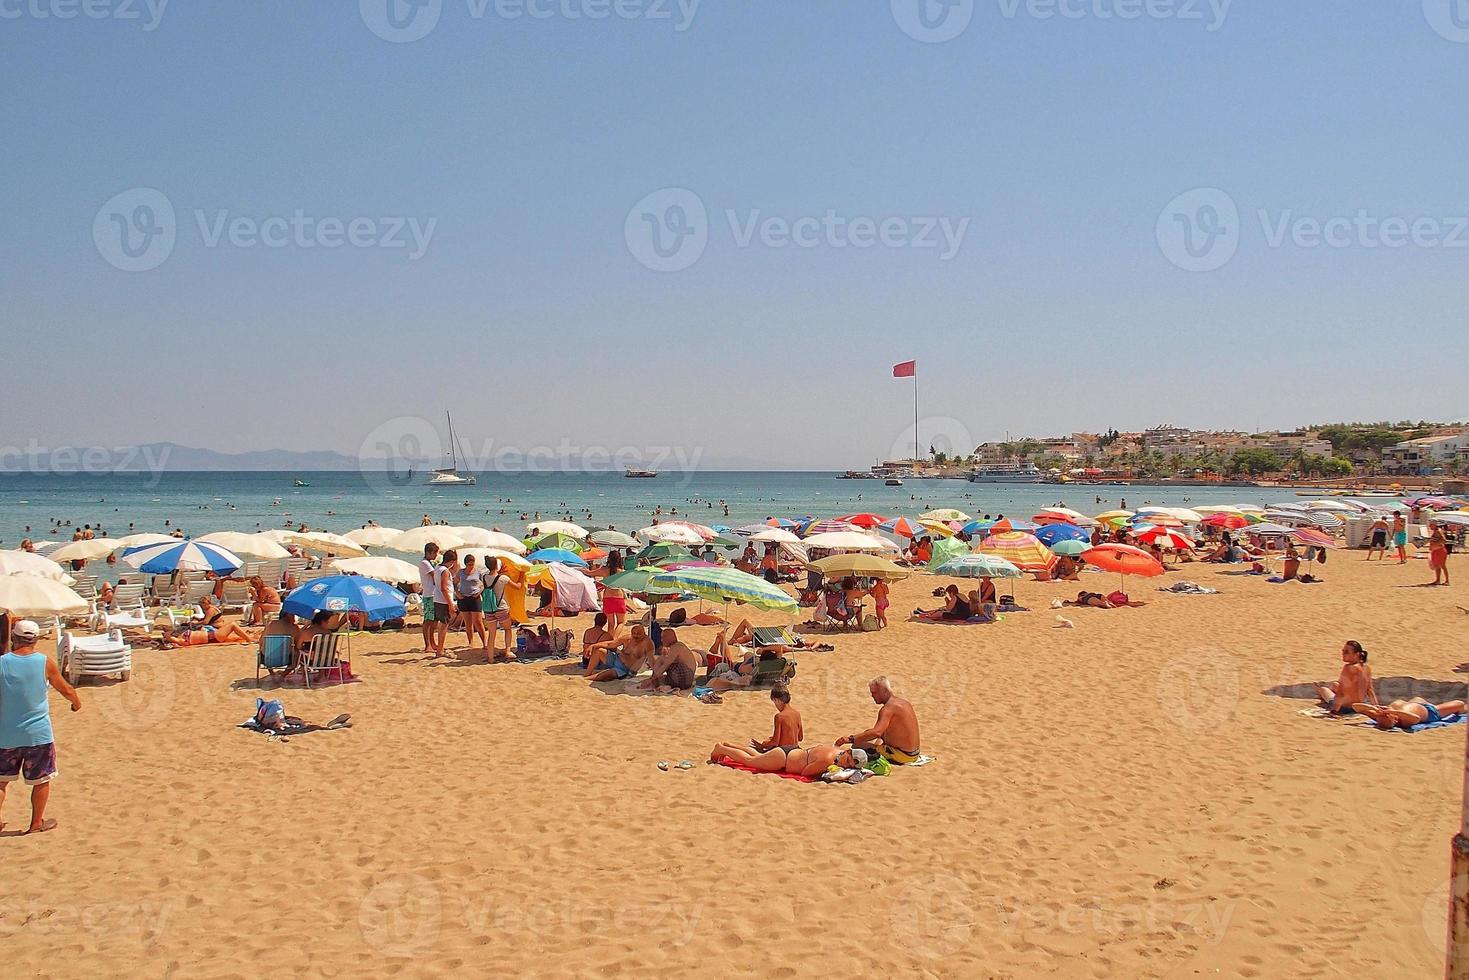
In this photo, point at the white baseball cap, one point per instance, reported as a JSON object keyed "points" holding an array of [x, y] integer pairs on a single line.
{"points": [[25, 629]]}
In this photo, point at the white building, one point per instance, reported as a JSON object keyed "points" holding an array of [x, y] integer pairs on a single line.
{"points": [[1423, 455]]}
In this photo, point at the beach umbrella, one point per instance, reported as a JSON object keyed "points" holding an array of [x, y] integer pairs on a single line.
{"points": [[784, 522], [849, 541], [827, 527], [633, 580], [1336, 505], [1166, 537], [1020, 549], [613, 539], [945, 514], [724, 585], [1123, 559], [1226, 520], [1210, 509], [85, 550], [554, 539], [979, 566], [182, 555], [1063, 515], [1055, 533], [671, 533], [562, 556], [254, 545], [346, 593], [775, 535], [945, 548], [379, 567], [865, 521], [729, 541], [373, 537], [937, 529], [1268, 527], [1144, 521], [1114, 518], [592, 554], [146, 537], [414, 539], [1007, 524], [1314, 538], [977, 529], [1070, 549], [478, 537], [483, 555], [24, 594], [704, 531], [23, 561], [656, 554], [861, 566], [903, 526], [325, 543], [674, 566], [1450, 519], [557, 527]]}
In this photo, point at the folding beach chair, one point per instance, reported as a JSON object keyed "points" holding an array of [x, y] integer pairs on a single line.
{"points": [[274, 654], [321, 657]]}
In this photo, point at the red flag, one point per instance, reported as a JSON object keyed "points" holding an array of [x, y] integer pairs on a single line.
{"points": [[905, 370]]}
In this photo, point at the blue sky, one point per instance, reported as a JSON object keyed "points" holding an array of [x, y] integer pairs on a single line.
{"points": [[518, 146]]}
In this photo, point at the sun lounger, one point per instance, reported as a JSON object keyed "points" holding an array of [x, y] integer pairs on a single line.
{"points": [[94, 656], [124, 619]]}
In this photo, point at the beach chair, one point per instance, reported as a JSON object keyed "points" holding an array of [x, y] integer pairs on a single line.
{"points": [[274, 654], [129, 595], [237, 595], [272, 572], [294, 569], [321, 657], [94, 656], [773, 636], [194, 592], [85, 586], [180, 614], [124, 619], [773, 670]]}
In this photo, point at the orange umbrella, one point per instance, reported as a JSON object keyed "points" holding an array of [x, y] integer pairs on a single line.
{"points": [[592, 554], [1123, 559]]}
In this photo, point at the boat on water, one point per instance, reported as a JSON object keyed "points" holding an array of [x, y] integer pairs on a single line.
{"points": [[299, 483], [635, 474], [449, 476], [857, 475], [1005, 473], [892, 481]]}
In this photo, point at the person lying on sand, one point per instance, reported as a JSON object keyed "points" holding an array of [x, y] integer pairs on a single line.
{"points": [[1353, 685], [800, 762], [1093, 599], [786, 735], [896, 728], [211, 627], [1406, 714], [619, 659], [675, 667]]}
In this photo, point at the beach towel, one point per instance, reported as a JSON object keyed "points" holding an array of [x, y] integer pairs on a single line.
{"points": [[761, 772], [1455, 720], [1188, 588]]}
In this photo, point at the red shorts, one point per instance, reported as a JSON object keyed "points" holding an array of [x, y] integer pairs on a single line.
{"points": [[614, 604]]}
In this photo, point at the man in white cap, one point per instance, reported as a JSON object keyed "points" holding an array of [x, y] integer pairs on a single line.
{"points": [[27, 744]]}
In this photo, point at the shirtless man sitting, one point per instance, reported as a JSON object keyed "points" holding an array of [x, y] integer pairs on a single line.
{"points": [[1406, 714], [1353, 685], [675, 667], [786, 735], [895, 736], [619, 659]]}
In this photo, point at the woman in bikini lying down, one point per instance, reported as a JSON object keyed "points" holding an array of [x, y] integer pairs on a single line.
{"points": [[800, 762], [1406, 714]]}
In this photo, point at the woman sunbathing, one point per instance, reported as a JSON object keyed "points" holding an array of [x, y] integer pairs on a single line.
{"points": [[1406, 714], [956, 607], [211, 627], [800, 762]]}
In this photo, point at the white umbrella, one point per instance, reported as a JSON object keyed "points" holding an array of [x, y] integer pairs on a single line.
{"points": [[1336, 505], [671, 533], [32, 595], [776, 535], [254, 545], [481, 554], [373, 537], [325, 542], [556, 527], [1208, 509], [849, 541], [1184, 514], [23, 561], [478, 537], [86, 550], [145, 537], [414, 539], [380, 567]]}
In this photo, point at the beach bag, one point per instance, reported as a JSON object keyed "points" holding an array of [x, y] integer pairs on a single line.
{"points": [[269, 714], [869, 624], [1321, 557]]}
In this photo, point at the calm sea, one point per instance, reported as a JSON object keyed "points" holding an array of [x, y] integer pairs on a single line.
{"points": [[340, 501]]}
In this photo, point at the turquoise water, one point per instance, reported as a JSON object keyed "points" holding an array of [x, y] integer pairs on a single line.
{"points": [[340, 501]]}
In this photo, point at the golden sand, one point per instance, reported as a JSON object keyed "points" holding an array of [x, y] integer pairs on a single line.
{"points": [[1131, 798]]}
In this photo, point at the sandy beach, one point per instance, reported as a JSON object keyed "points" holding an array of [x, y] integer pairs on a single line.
{"points": [[1134, 797]]}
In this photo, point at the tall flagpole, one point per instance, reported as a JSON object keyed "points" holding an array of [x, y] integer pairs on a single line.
{"points": [[915, 415]]}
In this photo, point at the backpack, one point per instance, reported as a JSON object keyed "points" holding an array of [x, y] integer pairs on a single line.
{"points": [[491, 599], [1321, 557]]}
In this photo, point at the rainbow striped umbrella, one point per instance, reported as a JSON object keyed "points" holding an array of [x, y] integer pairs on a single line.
{"points": [[1020, 549], [827, 527], [723, 585]]}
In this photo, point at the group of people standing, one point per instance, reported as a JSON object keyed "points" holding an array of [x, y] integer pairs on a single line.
{"points": [[467, 594]]}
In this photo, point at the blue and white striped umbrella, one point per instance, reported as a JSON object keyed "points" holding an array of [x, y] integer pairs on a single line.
{"points": [[183, 555]]}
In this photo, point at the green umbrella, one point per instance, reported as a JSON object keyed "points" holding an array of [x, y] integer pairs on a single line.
{"points": [[613, 539], [633, 580], [945, 549], [724, 585], [978, 566], [555, 539], [657, 554], [1070, 548]]}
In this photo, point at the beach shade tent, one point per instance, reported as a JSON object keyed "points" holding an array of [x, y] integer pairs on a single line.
{"points": [[861, 566], [145, 537], [478, 537], [724, 585], [1123, 559], [373, 537], [325, 543], [85, 550], [24, 594], [554, 539], [1314, 538], [414, 539], [380, 567], [1070, 549], [1114, 518], [828, 526], [945, 514], [775, 535], [182, 555], [663, 551], [346, 593], [252, 545], [671, 533], [23, 561], [1166, 537], [1228, 521], [945, 549], [557, 527], [1020, 549], [979, 566], [503, 555], [849, 541], [557, 556], [903, 527], [613, 539], [1052, 534], [865, 521], [572, 591]]}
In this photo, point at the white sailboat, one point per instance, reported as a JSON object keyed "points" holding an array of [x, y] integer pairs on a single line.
{"points": [[449, 476]]}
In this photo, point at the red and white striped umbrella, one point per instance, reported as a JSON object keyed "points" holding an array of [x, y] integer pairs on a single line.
{"points": [[1166, 537]]}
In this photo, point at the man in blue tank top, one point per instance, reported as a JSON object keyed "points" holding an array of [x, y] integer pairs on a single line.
{"points": [[27, 745]]}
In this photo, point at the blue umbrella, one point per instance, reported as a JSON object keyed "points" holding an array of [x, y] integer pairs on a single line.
{"points": [[562, 555], [346, 593], [1055, 533], [977, 529], [182, 555]]}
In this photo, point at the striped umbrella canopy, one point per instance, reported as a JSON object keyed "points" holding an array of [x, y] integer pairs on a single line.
{"points": [[1052, 534], [346, 593], [1114, 518], [784, 522], [827, 527], [1166, 537], [1022, 550], [1304, 518], [1268, 528], [904, 526], [1009, 524], [979, 566], [1185, 514], [723, 585], [1123, 559], [1144, 521], [1070, 548], [1228, 521], [1061, 515], [182, 555], [775, 535], [865, 521], [1314, 538], [613, 539], [1208, 509], [945, 514]]}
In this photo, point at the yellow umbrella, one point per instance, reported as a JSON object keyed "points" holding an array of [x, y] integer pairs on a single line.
{"points": [[938, 527], [1114, 518]]}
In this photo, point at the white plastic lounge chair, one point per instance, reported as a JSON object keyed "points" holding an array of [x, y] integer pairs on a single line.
{"points": [[125, 596], [124, 619], [94, 656], [237, 595]]}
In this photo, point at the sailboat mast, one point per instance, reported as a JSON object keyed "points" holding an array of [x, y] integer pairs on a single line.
{"points": [[453, 455]]}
